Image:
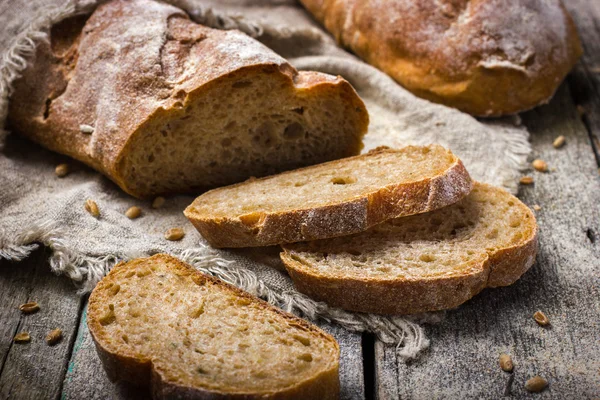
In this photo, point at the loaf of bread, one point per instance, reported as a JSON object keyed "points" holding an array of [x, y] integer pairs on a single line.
{"points": [[161, 104], [332, 199], [158, 322], [485, 57], [426, 262]]}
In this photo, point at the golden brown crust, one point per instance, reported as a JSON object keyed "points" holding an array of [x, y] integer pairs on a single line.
{"points": [[335, 219], [119, 365], [485, 57], [501, 267], [128, 65]]}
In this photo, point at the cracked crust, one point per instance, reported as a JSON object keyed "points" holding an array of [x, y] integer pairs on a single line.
{"points": [[484, 57], [330, 216], [133, 65], [123, 363], [325, 269]]}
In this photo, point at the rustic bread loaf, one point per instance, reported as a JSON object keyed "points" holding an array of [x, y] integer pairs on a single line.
{"points": [[157, 321], [160, 104], [485, 57], [331, 199], [426, 262]]}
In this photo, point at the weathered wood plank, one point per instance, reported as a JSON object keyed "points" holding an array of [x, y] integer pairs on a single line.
{"points": [[585, 79], [564, 283], [86, 378], [35, 370]]}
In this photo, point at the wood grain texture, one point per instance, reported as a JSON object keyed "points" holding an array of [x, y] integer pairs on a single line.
{"points": [[564, 283], [585, 79], [35, 370]]}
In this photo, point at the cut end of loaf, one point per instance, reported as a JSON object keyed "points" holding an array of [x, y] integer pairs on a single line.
{"points": [[332, 199], [254, 122], [198, 335], [421, 263]]}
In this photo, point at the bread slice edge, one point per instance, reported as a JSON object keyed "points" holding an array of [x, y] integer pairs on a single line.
{"points": [[140, 370], [333, 220], [501, 267]]}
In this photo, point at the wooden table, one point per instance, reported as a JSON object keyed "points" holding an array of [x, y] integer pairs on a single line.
{"points": [[463, 359]]}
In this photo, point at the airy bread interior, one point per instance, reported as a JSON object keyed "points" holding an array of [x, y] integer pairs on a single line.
{"points": [[199, 333], [455, 241], [325, 184], [251, 123]]}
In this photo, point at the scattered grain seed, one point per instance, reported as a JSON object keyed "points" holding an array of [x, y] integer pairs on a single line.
{"points": [[61, 170], [559, 142], [174, 234], [506, 363], [537, 207], [92, 208], [22, 337], [86, 129], [29, 308], [541, 318], [526, 180], [54, 336], [540, 165], [158, 202], [133, 212], [536, 384]]}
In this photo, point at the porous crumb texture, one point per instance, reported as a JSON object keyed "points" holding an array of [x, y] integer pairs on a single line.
{"points": [[489, 236], [202, 334], [340, 197], [170, 106], [252, 123]]}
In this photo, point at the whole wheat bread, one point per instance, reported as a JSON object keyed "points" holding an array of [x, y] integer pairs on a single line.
{"points": [[161, 104], [426, 262], [331, 199], [157, 321]]}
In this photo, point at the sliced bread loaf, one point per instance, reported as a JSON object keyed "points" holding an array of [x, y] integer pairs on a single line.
{"points": [[161, 104], [157, 321], [426, 262], [331, 199]]}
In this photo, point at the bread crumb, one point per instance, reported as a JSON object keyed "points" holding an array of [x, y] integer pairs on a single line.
{"points": [[537, 207], [62, 170], [540, 165]]}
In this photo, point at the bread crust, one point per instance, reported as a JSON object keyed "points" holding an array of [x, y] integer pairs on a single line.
{"points": [[484, 57], [124, 67], [501, 267], [140, 370], [334, 219]]}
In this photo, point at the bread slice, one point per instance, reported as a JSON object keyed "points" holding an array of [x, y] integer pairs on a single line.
{"points": [[161, 104], [426, 262], [332, 199], [157, 321]]}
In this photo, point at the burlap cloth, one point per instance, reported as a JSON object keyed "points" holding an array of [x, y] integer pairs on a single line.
{"points": [[37, 208]]}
